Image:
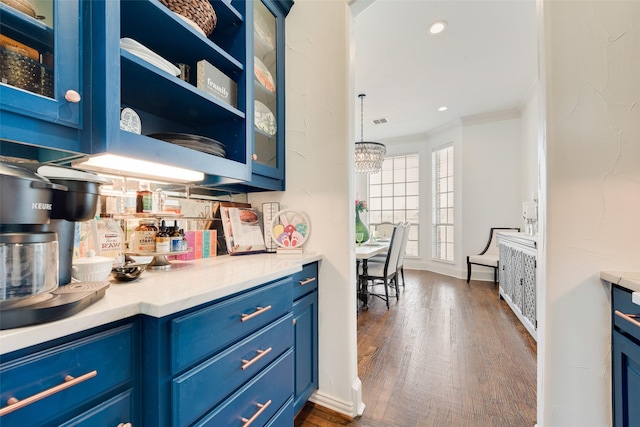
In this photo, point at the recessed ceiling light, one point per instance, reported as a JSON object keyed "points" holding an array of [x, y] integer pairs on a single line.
{"points": [[437, 27], [443, 108]]}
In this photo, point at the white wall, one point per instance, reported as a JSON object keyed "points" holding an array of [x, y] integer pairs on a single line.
{"points": [[320, 181], [592, 88], [488, 185]]}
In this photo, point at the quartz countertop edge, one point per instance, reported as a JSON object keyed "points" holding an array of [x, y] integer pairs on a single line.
{"points": [[628, 280], [161, 293]]}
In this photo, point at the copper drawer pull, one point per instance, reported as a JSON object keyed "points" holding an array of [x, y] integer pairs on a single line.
{"points": [[261, 354], [307, 280], [259, 310], [14, 404], [125, 425], [247, 422], [627, 317]]}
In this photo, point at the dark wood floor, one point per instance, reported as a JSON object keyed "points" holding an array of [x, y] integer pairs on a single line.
{"points": [[447, 354]]}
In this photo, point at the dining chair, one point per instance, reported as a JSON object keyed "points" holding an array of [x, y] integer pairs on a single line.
{"points": [[386, 272], [489, 257], [384, 229]]}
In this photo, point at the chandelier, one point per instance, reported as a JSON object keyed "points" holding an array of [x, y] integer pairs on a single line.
{"points": [[368, 155]]}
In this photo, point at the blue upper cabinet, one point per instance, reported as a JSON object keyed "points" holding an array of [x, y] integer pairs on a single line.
{"points": [[41, 91], [187, 104]]}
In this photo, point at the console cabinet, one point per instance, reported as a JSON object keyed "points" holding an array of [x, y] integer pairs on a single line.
{"points": [[78, 381], [518, 266]]}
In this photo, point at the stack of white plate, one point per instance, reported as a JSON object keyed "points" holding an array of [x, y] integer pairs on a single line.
{"points": [[148, 55]]}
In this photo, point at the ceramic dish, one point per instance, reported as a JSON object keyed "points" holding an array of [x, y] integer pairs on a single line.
{"points": [[264, 119], [194, 142], [263, 75]]}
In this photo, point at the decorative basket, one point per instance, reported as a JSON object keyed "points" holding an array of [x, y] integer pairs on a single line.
{"points": [[199, 11]]}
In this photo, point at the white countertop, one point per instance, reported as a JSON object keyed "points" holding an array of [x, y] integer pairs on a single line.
{"points": [[629, 280], [160, 293]]}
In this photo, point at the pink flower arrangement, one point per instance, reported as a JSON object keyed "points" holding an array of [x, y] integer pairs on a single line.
{"points": [[361, 206]]}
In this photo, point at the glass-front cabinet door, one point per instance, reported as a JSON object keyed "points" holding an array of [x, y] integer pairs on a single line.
{"points": [[40, 49], [268, 143]]}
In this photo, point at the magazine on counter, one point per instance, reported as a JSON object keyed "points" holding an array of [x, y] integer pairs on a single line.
{"points": [[242, 230]]}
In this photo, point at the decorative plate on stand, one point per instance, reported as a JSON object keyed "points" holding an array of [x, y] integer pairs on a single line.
{"points": [[290, 229]]}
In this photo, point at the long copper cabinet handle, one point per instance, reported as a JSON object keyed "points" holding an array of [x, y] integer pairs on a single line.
{"points": [[263, 407], [259, 310], [307, 280], [627, 317], [261, 354], [14, 404]]}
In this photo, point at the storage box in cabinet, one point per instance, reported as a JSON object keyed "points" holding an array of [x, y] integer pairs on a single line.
{"points": [[206, 331], [114, 412], [201, 388], [109, 354], [305, 281], [258, 400]]}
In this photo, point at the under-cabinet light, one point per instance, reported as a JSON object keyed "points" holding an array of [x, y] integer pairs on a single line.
{"points": [[437, 27], [111, 163]]}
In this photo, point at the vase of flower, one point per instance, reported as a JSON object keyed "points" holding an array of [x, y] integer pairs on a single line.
{"points": [[361, 228]]}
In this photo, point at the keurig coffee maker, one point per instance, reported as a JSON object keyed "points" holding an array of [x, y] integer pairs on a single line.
{"points": [[39, 206]]}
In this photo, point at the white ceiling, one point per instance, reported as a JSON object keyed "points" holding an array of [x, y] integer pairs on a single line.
{"points": [[485, 62]]}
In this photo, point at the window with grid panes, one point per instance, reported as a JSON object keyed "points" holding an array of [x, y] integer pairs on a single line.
{"points": [[394, 196], [443, 246]]}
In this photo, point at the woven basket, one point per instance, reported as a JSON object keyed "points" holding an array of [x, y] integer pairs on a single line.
{"points": [[199, 11]]}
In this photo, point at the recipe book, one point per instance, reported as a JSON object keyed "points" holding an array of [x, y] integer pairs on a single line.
{"points": [[242, 230]]}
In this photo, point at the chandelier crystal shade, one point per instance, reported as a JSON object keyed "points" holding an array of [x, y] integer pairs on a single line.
{"points": [[368, 155]]}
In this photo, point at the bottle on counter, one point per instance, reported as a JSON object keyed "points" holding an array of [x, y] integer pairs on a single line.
{"points": [[162, 239], [144, 198], [175, 238], [144, 236], [110, 239]]}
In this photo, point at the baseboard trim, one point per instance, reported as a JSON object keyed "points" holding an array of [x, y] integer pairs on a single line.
{"points": [[352, 409]]}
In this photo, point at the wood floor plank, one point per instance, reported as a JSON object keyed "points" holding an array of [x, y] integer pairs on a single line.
{"points": [[447, 353]]}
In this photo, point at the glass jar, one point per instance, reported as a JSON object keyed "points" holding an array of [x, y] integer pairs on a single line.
{"points": [[144, 236]]}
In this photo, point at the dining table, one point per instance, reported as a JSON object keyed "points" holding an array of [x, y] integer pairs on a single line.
{"points": [[364, 252]]}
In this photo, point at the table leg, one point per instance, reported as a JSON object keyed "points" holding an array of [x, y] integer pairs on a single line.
{"points": [[362, 284]]}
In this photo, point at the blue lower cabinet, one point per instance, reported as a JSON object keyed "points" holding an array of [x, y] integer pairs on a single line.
{"points": [[72, 379], [114, 412], [284, 417], [626, 381], [305, 314], [259, 400], [193, 394]]}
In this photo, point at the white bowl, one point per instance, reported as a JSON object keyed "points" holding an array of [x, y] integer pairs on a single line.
{"points": [[92, 269]]}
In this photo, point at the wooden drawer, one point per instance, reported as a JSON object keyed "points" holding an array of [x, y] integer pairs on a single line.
{"points": [[200, 389], [202, 333], [305, 281], [115, 411], [272, 388], [109, 354], [621, 301]]}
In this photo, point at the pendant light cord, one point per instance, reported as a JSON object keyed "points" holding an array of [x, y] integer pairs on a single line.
{"points": [[362, 95]]}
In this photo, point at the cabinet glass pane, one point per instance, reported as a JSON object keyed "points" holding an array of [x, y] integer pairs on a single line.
{"points": [[265, 90], [27, 45]]}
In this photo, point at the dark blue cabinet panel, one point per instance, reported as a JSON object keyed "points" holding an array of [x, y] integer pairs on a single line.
{"points": [[259, 399], [305, 314], [193, 393], [33, 107], [114, 412], [626, 381], [209, 330], [102, 363]]}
